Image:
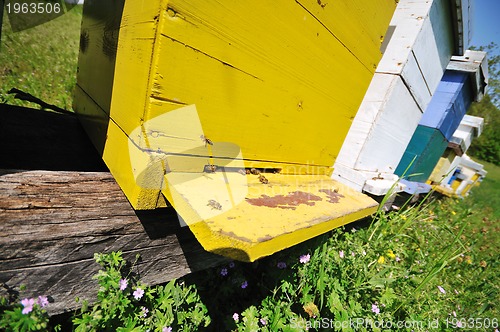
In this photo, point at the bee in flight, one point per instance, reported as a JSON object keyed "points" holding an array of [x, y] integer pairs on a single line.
{"points": [[206, 140]]}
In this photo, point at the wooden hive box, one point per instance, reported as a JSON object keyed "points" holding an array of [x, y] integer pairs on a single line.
{"points": [[470, 127], [423, 37], [449, 104], [439, 121], [426, 146], [443, 167], [463, 175], [463, 82], [182, 98]]}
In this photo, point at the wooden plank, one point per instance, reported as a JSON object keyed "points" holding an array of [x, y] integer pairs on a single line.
{"points": [[52, 223], [381, 129], [246, 218]]}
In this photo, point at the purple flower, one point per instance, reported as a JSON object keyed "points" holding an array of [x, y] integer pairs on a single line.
{"points": [[398, 259], [138, 293], [341, 253], [236, 317], [43, 301], [223, 272], [441, 289], [231, 265], [305, 258], [166, 329], [281, 265], [144, 312], [244, 284], [262, 321], [375, 309], [123, 284], [28, 305]]}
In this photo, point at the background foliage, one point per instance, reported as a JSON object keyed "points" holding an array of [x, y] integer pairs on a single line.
{"points": [[487, 146]]}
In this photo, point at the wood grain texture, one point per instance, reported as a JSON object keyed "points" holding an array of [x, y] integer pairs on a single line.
{"points": [[52, 223]]}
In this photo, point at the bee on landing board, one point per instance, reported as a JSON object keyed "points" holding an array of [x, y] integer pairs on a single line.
{"points": [[214, 204], [210, 168]]}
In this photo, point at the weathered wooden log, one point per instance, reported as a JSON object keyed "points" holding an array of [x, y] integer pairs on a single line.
{"points": [[52, 223], [59, 206]]}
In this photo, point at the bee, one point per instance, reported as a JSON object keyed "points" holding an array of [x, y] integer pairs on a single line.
{"points": [[210, 168], [254, 171], [323, 5], [214, 204], [263, 179], [206, 140]]}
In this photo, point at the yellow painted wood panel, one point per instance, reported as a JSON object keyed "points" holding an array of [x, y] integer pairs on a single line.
{"points": [[280, 82], [268, 77], [237, 216], [359, 24], [136, 171], [136, 49], [455, 184], [472, 183], [444, 190], [98, 48]]}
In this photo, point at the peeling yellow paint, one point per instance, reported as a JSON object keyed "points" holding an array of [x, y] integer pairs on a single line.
{"points": [[264, 218]]}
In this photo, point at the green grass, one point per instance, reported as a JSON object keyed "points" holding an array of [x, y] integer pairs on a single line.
{"points": [[399, 264], [487, 195], [42, 60]]}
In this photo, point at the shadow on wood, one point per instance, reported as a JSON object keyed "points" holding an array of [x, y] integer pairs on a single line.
{"points": [[44, 140], [59, 206]]}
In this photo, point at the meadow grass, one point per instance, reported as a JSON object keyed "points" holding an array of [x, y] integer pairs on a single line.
{"points": [[42, 60], [487, 195], [430, 266]]}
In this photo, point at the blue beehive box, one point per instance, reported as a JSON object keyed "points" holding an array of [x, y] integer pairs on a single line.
{"points": [[426, 146], [439, 121], [449, 104]]}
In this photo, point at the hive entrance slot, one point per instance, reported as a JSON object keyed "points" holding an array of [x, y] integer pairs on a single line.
{"points": [[248, 170]]}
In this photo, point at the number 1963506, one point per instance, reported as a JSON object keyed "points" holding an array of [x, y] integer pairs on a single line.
{"points": [[33, 8]]}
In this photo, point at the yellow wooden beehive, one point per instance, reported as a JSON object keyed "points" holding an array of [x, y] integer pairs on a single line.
{"points": [[184, 98]]}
